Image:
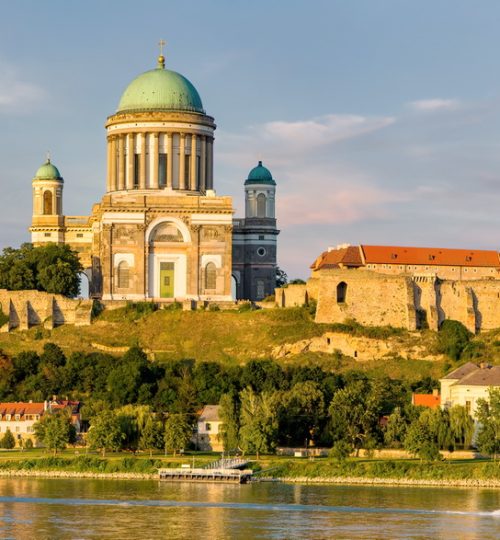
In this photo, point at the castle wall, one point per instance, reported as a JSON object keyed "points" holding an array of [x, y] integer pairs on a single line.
{"points": [[371, 299], [374, 299], [31, 308]]}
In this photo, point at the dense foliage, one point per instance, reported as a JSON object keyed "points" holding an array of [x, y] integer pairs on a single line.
{"points": [[131, 402], [52, 268]]}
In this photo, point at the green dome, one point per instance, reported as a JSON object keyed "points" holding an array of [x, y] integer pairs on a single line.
{"points": [[48, 172], [260, 175], [160, 90]]}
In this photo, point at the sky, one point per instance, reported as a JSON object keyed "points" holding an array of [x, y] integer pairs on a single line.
{"points": [[379, 120]]}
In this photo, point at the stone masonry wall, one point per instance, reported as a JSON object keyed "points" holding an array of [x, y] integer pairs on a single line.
{"points": [[371, 299], [32, 308]]}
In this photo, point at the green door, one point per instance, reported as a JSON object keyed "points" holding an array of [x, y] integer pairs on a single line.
{"points": [[166, 280]]}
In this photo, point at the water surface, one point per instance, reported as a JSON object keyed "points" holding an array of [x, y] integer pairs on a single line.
{"points": [[33, 508]]}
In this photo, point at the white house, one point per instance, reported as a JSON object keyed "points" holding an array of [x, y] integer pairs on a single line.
{"points": [[207, 434], [468, 383]]}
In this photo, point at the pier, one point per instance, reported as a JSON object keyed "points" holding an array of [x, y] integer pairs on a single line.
{"points": [[223, 470]]}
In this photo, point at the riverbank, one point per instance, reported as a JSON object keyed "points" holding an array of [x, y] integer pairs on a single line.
{"points": [[338, 480], [456, 473]]}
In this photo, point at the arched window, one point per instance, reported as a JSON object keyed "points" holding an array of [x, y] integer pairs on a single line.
{"points": [[341, 292], [123, 275], [166, 232], [47, 203], [210, 276], [261, 205]]}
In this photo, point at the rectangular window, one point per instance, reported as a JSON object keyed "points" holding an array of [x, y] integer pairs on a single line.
{"points": [[79, 235], [261, 237], [468, 406], [47, 235], [137, 158], [162, 170], [29, 429], [18, 429], [208, 427]]}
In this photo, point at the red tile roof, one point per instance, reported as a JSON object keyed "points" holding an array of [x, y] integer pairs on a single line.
{"points": [[21, 408], [347, 256], [429, 256], [426, 400]]}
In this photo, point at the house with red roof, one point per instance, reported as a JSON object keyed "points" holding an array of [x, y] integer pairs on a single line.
{"points": [[20, 417]]}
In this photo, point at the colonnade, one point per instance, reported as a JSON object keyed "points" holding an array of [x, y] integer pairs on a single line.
{"points": [[158, 160]]}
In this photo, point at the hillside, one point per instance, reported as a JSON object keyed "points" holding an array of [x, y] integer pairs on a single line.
{"points": [[288, 335]]}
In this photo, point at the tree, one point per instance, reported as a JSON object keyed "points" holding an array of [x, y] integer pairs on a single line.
{"points": [[178, 432], [151, 435], [453, 337], [420, 442], [105, 432], [303, 413], [462, 425], [54, 431], [354, 413], [8, 441], [53, 268], [488, 417], [281, 277], [258, 421], [229, 413], [395, 430]]}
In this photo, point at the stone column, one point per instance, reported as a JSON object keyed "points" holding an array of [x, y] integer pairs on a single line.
{"points": [[130, 161], [142, 162], [210, 164], [121, 162], [113, 162], [192, 174], [182, 162], [203, 163], [156, 150], [170, 158], [109, 185], [228, 257]]}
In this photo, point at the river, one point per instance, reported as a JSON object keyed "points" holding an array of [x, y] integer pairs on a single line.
{"points": [[34, 508]]}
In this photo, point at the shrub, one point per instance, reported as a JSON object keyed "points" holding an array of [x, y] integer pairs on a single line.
{"points": [[213, 307], [28, 444], [8, 441], [173, 306], [269, 298], [245, 306]]}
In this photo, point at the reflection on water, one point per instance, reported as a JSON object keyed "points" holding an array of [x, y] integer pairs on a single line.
{"points": [[105, 509]]}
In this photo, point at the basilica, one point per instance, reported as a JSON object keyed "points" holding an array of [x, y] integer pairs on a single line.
{"points": [[160, 231]]}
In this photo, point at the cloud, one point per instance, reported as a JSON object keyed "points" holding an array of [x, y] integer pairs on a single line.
{"points": [[321, 131], [281, 139], [434, 105], [16, 94]]}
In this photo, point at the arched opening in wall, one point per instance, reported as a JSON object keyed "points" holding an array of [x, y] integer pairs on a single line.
{"points": [[261, 205], [84, 285], [47, 203], [341, 292], [234, 287], [210, 276], [123, 275]]}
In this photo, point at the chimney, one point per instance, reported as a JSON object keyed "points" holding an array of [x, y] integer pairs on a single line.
{"points": [[45, 405]]}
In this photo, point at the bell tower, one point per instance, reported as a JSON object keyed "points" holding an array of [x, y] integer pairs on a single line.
{"points": [[255, 238], [47, 220]]}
